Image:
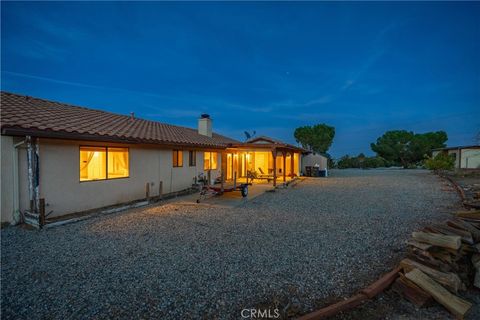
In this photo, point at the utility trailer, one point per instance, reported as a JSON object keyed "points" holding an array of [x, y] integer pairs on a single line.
{"points": [[208, 191]]}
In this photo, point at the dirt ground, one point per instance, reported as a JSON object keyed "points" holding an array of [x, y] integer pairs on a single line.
{"points": [[292, 249]]}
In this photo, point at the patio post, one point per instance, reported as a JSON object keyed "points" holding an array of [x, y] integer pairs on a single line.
{"points": [[292, 164], [284, 166], [274, 154], [223, 169]]}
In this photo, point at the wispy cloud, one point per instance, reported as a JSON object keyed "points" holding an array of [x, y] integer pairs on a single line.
{"points": [[58, 81], [80, 84], [56, 37]]}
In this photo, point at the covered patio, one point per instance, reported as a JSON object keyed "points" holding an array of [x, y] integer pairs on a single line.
{"points": [[261, 160]]}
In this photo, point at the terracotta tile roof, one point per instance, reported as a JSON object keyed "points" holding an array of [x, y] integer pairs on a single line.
{"points": [[22, 115], [265, 140]]}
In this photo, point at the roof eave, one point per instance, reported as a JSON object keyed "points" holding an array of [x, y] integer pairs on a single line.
{"points": [[15, 131]]}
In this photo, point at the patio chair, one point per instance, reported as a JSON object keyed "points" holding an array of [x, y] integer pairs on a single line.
{"points": [[263, 175]]}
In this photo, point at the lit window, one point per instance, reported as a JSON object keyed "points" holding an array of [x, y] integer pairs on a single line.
{"points": [[100, 163], [210, 160], [117, 163], [93, 163], [192, 158], [177, 158]]}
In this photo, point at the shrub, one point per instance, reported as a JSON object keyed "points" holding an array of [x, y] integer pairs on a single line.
{"points": [[441, 161]]}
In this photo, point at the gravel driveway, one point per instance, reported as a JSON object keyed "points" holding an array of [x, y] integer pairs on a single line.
{"points": [[297, 247]]}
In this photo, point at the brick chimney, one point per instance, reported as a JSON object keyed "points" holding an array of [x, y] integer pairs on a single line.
{"points": [[205, 125]]}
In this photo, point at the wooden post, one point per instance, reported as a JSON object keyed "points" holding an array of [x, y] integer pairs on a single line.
{"points": [[147, 190], [42, 212], [160, 189], [235, 180], [292, 165], [223, 170], [209, 176], [284, 166], [274, 154]]}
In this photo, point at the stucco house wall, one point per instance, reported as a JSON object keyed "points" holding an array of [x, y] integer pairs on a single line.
{"points": [[465, 158], [6, 176], [470, 158], [60, 184]]}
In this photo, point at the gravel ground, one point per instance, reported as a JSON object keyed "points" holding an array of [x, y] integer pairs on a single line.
{"points": [[293, 249]]}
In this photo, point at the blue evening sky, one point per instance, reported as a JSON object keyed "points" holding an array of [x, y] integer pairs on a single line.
{"points": [[362, 67]]}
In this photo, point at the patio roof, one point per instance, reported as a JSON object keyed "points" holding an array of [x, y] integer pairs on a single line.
{"points": [[264, 142]]}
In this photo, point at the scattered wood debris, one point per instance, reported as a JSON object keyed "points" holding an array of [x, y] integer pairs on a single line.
{"points": [[443, 260]]}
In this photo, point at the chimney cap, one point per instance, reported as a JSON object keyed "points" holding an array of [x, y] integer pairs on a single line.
{"points": [[205, 116]]}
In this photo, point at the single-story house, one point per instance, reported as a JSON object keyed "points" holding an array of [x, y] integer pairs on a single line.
{"points": [[66, 159], [466, 157]]}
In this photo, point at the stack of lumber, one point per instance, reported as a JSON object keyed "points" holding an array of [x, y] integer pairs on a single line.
{"points": [[443, 261]]}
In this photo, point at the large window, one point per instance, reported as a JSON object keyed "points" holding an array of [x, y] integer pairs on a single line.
{"points": [[192, 158], [117, 163], [177, 158], [100, 163], [210, 160]]}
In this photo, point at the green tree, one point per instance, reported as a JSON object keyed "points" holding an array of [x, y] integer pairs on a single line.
{"points": [[407, 148], [344, 162], [422, 144], [360, 161], [317, 138], [394, 146]]}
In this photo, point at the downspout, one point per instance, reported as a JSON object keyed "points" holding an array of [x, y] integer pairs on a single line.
{"points": [[16, 187]]}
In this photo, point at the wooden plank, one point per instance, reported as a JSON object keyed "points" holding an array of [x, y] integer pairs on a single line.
{"points": [[382, 283], [442, 256], [474, 222], [461, 224], [449, 279], [447, 230], [419, 245], [333, 309], [471, 214], [472, 204], [457, 306], [426, 258], [369, 292], [452, 242], [412, 292]]}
